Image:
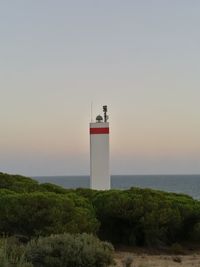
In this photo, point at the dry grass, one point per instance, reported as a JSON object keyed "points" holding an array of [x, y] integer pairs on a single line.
{"points": [[144, 260]]}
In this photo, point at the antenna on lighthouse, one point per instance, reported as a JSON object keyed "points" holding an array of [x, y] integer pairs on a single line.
{"points": [[105, 109], [91, 111]]}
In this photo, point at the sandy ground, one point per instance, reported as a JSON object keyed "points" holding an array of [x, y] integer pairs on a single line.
{"points": [[144, 260]]}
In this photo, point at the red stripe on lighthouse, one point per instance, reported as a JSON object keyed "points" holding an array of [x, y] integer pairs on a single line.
{"points": [[99, 130]]}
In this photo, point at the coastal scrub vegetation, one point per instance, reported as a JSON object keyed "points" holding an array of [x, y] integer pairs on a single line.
{"points": [[69, 250], [79, 250], [135, 217], [146, 217]]}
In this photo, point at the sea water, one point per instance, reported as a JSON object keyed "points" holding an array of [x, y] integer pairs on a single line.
{"points": [[187, 184]]}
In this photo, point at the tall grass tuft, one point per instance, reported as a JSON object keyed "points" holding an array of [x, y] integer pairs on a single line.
{"points": [[12, 253]]}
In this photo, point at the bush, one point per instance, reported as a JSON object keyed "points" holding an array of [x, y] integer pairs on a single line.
{"points": [[69, 251], [195, 232], [145, 217], [127, 217], [127, 261], [18, 183], [47, 187], [39, 213]]}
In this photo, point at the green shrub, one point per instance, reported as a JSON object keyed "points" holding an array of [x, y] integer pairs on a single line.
{"points": [[39, 213], [18, 183], [128, 217], [127, 261], [47, 187], [195, 232], [69, 251], [144, 216]]}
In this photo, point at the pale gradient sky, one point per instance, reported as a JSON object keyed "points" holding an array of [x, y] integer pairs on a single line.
{"points": [[140, 57]]}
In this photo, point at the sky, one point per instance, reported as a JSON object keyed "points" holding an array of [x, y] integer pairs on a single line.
{"points": [[139, 57]]}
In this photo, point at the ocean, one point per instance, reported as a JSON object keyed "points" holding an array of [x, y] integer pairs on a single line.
{"points": [[187, 184]]}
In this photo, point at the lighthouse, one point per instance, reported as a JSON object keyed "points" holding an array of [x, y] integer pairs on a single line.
{"points": [[99, 153]]}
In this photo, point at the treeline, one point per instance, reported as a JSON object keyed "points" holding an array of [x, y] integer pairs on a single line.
{"points": [[141, 217], [28, 209]]}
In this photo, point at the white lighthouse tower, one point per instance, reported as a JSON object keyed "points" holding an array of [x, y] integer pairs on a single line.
{"points": [[99, 153]]}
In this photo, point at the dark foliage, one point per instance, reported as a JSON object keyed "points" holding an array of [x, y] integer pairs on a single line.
{"points": [[42, 213], [130, 217], [146, 217]]}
